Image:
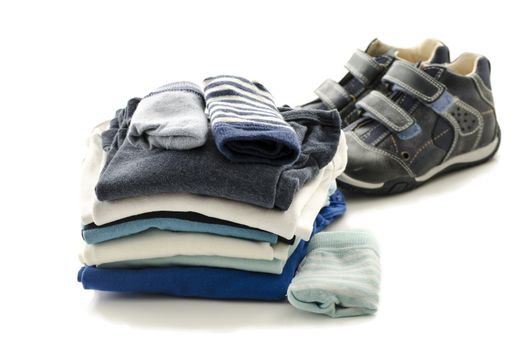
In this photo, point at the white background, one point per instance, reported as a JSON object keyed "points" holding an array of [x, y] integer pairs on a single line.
{"points": [[454, 252]]}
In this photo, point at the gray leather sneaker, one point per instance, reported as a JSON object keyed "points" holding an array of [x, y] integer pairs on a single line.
{"points": [[365, 69], [437, 118]]}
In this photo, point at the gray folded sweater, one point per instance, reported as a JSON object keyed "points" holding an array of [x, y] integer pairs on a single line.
{"points": [[131, 171]]}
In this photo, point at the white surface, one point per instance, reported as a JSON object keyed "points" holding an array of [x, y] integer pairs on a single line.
{"points": [[454, 252]]}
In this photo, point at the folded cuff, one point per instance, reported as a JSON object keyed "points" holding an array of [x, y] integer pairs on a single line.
{"points": [[344, 240], [245, 142], [178, 86]]}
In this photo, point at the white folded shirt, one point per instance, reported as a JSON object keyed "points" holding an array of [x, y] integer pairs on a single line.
{"points": [[162, 244], [296, 221]]}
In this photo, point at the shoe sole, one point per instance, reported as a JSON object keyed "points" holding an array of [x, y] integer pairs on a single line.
{"points": [[404, 184]]}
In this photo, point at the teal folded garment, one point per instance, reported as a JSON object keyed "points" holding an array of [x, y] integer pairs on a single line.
{"points": [[274, 266], [339, 277]]}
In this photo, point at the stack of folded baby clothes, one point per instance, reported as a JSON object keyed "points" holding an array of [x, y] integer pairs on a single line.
{"points": [[210, 194]]}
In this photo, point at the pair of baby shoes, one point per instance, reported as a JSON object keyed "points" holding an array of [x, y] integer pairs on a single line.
{"points": [[410, 114]]}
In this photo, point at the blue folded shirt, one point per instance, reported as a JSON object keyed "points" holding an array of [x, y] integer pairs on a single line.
{"points": [[173, 221], [209, 282]]}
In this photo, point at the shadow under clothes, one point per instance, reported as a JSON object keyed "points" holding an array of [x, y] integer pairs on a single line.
{"points": [[162, 312]]}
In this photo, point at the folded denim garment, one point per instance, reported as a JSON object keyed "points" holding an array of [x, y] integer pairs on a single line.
{"points": [[133, 172], [296, 221], [159, 244], [170, 117], [246, 125], [208, 282], [339, 277]]}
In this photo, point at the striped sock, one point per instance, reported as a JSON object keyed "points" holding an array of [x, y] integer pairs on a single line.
{"points": [[246, 125], [339, 276]]}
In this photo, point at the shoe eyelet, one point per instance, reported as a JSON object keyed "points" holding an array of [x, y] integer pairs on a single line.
{"points": [[405, 155]]}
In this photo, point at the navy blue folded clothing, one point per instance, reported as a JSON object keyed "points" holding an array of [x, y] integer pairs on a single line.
{"points": [[246, 124], [209, 282], [132, 171]]}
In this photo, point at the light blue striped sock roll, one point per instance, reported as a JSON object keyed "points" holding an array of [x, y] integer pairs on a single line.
{"points": [[339, 277], [246, 125]]}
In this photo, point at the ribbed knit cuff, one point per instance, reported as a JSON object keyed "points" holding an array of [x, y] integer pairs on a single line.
{"points": [[343, 240], [178, 86]]}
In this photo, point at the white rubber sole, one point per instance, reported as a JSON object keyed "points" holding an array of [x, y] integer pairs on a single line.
{"points": [[466, 158], [358, 183], [470, 157]]}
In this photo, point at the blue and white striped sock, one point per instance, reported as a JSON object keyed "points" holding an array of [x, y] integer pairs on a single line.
{"points": [[246, 125]]}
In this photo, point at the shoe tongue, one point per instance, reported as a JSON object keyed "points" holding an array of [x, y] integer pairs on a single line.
{"points": [[430, 69], [384, 59]]}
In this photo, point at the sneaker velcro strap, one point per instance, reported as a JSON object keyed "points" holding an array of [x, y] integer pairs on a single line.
{"points": [[363, 67], [413, 81], [386, 111], [333, 95]]}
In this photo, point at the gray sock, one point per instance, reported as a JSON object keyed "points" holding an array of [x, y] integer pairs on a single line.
{"points": [[171, 117], [339, 276]]}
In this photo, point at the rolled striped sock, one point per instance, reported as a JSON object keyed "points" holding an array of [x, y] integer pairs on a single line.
{"points": [[339, 276], [245, 123]]}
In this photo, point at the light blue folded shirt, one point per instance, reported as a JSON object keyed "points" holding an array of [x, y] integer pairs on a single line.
{"points": [[127, 228]]}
